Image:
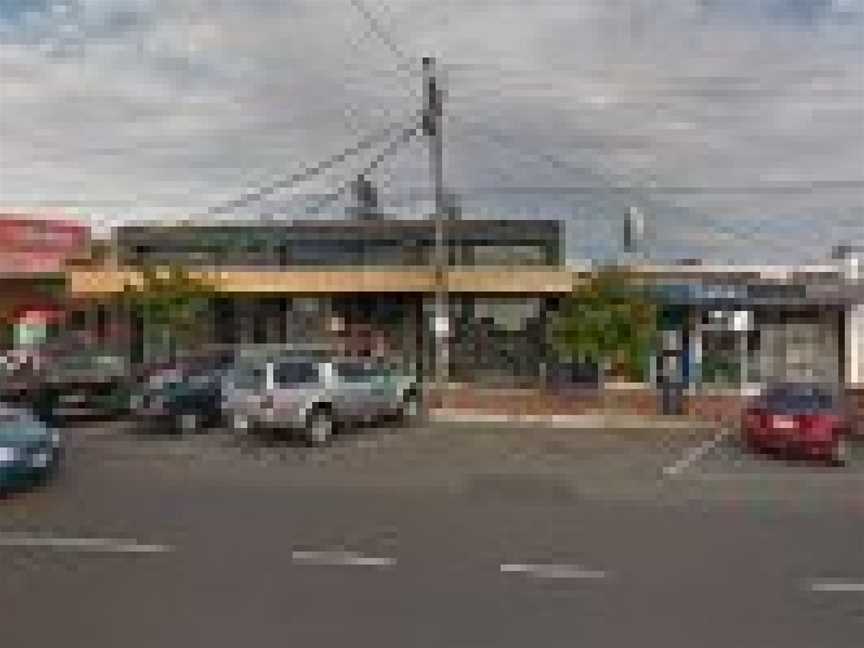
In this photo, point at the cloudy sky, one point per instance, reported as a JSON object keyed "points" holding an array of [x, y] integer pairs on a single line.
{"points": [[736, 126]]}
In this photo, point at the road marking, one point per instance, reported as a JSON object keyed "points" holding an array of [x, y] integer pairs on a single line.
{"points": [[695, 454], [109, 545], [349, 558], [551, 571], [836, 586]]}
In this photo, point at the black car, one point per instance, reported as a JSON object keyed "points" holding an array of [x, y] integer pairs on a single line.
{"points": [[185, 396]]}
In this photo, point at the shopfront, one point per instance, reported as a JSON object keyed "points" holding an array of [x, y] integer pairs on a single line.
{"points": [[742, 336]]}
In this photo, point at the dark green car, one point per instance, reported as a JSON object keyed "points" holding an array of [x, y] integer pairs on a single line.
{"points": [[82, 383]]}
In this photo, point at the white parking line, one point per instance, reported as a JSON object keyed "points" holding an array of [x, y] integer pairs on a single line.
{"points": [[107, 545], [836, 586], [551, 571], [348, 558], [695, 454]]}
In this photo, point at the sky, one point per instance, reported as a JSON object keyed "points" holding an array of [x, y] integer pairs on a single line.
{"points": [[735, 126]]}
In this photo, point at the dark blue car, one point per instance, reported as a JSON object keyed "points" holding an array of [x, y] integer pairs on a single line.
{"points": [[29, 449]]}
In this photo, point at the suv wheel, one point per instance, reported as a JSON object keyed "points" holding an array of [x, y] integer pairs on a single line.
{"points": [[319, 427]]}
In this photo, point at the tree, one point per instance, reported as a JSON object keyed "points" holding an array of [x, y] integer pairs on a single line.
{"points": [[171, 303], [607, 321]]}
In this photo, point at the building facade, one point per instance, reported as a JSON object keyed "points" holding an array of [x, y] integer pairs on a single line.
{"points": [[33, 256], [372, 284], [743, 327], [367, 282]]}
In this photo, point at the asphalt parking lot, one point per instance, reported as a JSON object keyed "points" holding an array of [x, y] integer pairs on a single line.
{"points": [[437, 535], [609, 463]]}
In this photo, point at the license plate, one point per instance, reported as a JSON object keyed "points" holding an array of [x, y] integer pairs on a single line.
{"points": [[71, 399], [784, 423], [39, 460]]}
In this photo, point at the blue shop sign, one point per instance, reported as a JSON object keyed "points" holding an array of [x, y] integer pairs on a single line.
{"points": [[697, 292]]}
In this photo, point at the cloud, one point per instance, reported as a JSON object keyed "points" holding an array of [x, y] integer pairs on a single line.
{"points": [[142, 109]]}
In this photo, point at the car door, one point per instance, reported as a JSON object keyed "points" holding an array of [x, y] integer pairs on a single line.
{"points": [[386, 384], [243, 389], [353, 389], [296, 383]]}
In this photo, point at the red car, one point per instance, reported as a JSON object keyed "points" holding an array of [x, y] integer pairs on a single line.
{"points": [[800, 419]]}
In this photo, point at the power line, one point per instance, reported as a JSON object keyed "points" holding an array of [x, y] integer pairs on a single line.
{"points": [[404, 136], [383, 34], [507, 141], [798, 187], [309, 172]]}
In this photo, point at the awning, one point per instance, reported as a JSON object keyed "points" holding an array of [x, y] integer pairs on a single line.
{"points": [[758, 294]]}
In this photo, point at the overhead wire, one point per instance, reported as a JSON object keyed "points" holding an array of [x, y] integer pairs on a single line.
{"points": [[503, 139], [404, 136], [281, 184]]}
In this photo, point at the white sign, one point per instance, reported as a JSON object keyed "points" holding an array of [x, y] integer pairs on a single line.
{"points": [[742, 320], [441, 325]]}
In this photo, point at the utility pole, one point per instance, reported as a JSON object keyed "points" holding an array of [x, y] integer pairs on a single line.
{"points": [[634, 232], [433, 98]]}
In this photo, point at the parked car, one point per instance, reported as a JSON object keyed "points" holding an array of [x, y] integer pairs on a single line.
{"points": [[17, 375], [90, 381], [801, 419], [185, 396], [29, 449], [317, 396]]}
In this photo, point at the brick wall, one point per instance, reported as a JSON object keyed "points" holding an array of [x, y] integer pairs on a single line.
{"points": [[639, 401], [534, 401], [715, 407], [722, 408]]}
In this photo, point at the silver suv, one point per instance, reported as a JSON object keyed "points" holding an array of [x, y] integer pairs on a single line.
{"points": [[289, 392]]}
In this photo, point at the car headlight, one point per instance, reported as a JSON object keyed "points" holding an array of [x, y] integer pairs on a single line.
{"points": [[8, 455]]}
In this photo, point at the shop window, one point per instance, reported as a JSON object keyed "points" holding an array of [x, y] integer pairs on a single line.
{"points": [[731, 357], [509, 255], [721, 358]]}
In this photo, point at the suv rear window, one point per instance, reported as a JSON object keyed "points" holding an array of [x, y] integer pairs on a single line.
{"points": [[358, 371], [296, 373]]}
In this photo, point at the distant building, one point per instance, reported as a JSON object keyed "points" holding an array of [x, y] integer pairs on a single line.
{"points": [[33, 255]]}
